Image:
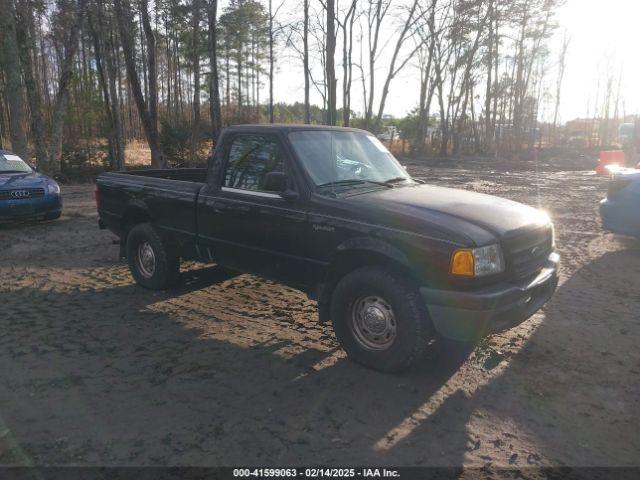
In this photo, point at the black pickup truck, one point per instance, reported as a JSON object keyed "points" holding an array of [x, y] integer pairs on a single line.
{"points": [[392, 261]]}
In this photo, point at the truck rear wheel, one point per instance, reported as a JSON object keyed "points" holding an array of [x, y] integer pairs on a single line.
{"points": [[380, 319], [154, 262]]}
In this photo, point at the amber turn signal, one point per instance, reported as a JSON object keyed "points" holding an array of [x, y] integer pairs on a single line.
{"points": [[462, 263]]}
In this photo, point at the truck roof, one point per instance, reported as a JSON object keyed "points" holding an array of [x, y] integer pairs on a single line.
{"points": [[285, 127]]}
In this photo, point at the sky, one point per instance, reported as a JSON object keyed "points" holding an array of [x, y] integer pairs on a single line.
{"points": [[605, 37], [604, 40]]}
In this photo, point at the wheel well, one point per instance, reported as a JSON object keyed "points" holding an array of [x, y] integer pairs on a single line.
{"points": [[352, 260], [133, 217]]}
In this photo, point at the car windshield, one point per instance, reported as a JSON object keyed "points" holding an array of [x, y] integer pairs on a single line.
{"points": [[10, 163], [334, 158]]}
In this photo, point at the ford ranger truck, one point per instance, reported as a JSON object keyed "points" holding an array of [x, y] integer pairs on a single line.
{"points": [[393, 262]]}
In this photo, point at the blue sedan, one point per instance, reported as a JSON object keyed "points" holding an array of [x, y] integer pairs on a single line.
{"points": [[620, 211], [24, 193]]}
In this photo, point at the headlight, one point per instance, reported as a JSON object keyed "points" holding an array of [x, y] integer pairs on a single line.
{"points": [[53, 188], [477, 262]]}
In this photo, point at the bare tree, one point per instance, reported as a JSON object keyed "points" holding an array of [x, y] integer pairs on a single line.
{"points": [[97, 21], [11, 65], [196, 11], [347, 64], [148, 116], [479, 67], [214, 89], [69, 47], [24, 19], [562, 64], [330, 68], [375, 14], [427, 84], [305, 62], [394, 67], [273, 32]]}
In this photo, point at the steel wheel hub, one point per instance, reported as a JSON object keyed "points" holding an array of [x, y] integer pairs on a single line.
{"points": [[146, 259], [373, 323]]}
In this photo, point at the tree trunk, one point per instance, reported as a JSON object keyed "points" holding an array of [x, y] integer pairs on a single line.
{"points": [[562, 63], [116, 96], [347, 49], [11, 63], [305, 61], [157, 159], [25, 44], [487, 98], [239, 65], [62, 97], [148, 119], [330, 63], [271, 60], [214, 88], [195, 130], [102, 80]]}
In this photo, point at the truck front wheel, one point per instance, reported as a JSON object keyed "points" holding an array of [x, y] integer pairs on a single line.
{"points": [[154, 262], [380, 319]]}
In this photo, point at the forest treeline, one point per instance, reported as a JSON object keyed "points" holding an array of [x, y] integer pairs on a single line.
{"points": [[83, 77]]}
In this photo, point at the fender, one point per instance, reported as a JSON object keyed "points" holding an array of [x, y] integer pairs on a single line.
{"points": [[135, 211], [373, 245], [354, 253], [135, 204]]}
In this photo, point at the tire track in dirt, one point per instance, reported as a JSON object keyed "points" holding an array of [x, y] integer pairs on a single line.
{"points": [[234, 369]]}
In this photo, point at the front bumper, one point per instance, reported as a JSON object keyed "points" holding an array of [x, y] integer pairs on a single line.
{"points": [[13, 210], [621, 216], [468, 315]]}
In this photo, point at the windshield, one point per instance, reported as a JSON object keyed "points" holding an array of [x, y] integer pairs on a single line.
{"points": [[338, 157], [10, 163]]}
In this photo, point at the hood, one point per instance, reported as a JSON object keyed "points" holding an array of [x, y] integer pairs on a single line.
{"points": [[476, 217], [21, 180]]}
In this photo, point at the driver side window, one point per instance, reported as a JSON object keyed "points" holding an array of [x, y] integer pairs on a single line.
{"points": [[251, 158]]}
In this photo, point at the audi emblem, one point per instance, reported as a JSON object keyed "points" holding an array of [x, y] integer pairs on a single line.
{"points": [[20, 194]]}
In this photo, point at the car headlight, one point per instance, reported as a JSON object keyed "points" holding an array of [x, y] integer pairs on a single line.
{"points": [[53, 188], [477, 262]]}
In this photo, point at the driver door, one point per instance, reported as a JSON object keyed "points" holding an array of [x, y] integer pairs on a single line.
{"points": [[245, 224]]}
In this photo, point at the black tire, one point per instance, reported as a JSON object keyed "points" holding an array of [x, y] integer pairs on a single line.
{"points": [[52, 216], [409, 318], [165, 269]]}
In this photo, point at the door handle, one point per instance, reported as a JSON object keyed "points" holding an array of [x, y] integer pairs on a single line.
{"points": [[235, 209]]}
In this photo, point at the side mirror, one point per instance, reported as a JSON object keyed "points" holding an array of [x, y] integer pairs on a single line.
{"points": [[289, 195], [275, 182]]}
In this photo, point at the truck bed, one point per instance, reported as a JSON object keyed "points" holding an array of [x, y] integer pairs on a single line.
{"points": [[166, 197]]}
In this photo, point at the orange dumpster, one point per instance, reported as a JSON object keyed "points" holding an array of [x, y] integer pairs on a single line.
{"points": [[609, 157]]}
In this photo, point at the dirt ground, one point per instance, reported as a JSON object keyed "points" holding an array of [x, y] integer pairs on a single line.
{"points": [[234, 370]]}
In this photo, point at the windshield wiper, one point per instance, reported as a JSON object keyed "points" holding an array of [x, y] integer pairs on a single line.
{"points": [[13, 171], [397, 179], [354, 181]]}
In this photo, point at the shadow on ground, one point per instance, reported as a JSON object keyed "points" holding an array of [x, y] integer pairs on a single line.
{"points": [[112, 377]]}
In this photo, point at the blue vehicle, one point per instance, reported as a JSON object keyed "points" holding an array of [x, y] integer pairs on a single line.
{"points": [[25, 193], [620, 211]]}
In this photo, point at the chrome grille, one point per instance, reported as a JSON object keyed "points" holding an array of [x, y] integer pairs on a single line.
{"points": [[528, 253], [21, 193]]}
